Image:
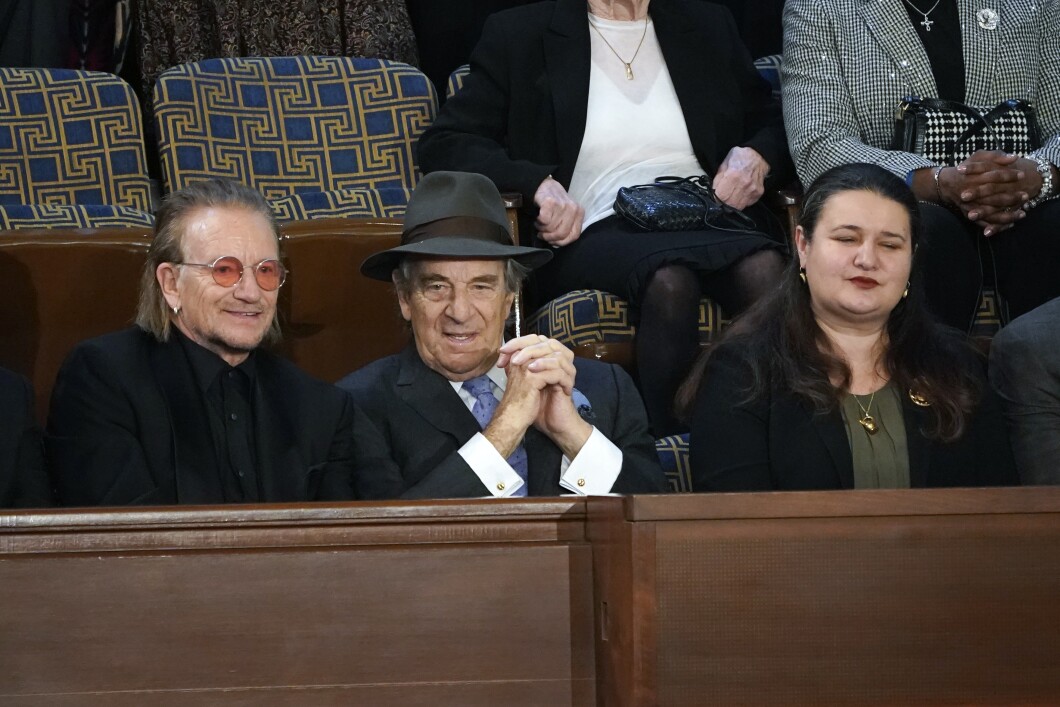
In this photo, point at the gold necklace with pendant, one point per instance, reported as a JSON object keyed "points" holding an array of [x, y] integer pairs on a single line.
{"points": [[627, 64], [866, 420]]}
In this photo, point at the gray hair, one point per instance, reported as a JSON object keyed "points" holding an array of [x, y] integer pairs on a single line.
{"points": [[514, 274], [152, 312]]}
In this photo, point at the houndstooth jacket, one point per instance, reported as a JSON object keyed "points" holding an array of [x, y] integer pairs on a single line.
{"points": [[848, 63]]}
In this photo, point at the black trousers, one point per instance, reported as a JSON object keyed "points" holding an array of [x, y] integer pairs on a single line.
{"points": [[1023, 263]]}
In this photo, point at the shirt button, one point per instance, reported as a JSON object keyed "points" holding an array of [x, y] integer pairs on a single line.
{"points": [[240, 474], [233, 416], [500, 486], [581, 482]]}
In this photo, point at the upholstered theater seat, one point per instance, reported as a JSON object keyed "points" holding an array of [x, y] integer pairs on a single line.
{"points": [[335, 321], [70, 139], [673, 457], [388, 202], [318, 136], [78, 216], [62, 287]]}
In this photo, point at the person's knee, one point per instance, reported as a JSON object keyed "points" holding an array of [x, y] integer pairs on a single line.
{"points": [[674, 283]]}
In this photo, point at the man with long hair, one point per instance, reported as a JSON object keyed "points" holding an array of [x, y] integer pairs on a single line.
{"points": [[186, 407]]}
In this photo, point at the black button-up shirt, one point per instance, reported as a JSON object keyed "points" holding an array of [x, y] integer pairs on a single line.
{"points": [[229, 394]]}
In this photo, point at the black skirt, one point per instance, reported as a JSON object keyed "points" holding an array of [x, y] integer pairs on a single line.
{"points": [[614, 256]]}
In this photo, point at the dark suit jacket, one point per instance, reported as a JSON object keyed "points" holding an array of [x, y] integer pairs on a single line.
{"points": [[425, 422], [521, 113], [128, 425], [23, 483], [779, 443]]}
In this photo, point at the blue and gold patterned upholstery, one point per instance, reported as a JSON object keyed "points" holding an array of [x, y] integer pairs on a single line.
{"points": [[988, 317], [673, 457], [294, 127], [592, 316], [456, 79], [769, 68], [22, 216], [389, 202], [70, 138]]}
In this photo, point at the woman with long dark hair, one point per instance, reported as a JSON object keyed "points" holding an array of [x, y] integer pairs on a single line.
{"points": [[842, 379], [848, 66]]}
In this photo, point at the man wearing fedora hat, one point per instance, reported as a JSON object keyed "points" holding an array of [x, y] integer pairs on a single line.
{"points": [[466, 413]]}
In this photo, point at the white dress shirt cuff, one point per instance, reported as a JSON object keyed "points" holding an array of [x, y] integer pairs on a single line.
{"points": [[490, 467], [596, 468]]}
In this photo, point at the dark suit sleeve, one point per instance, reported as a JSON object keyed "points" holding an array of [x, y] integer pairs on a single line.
{"points": [[641, 472], [729, 443], [375, 474], [1025, 373], [27, 485], [93, 449], [471, 131], [452, 478], [383, 444]]}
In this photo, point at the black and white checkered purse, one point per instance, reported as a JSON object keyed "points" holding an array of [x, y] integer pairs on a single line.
{"points": [[948, 132]]}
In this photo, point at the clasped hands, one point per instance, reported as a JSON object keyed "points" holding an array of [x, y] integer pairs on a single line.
{"points": [[540, 383], [991, 188]]}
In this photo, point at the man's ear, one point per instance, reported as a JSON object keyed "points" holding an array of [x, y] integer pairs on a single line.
{"points": [[403, 300], [167, 274]]}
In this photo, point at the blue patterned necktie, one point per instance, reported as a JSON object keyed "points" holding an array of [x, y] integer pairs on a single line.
{"points": [[485, 405]]}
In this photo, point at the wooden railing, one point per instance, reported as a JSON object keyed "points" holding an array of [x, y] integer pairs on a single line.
{"points": [[878, 597]]}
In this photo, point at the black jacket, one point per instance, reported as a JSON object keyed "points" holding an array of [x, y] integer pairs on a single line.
{"points": [[23, 483], [778, 442], [128, 425]]}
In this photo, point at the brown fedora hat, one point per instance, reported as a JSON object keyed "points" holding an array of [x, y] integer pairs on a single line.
{"points": [[454, 215]]}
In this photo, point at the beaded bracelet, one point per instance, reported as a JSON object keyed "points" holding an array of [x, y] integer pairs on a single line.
{"points": [[1046, 170]]}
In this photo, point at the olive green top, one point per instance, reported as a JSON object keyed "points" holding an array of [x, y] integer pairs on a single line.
{"points": [[881, 460]]}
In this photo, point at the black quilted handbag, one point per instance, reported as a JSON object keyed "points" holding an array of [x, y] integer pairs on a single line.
{"points": [[948, 132], [678, 204]]}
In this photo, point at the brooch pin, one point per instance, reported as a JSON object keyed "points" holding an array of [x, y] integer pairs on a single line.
{"points": [[987, 18]]}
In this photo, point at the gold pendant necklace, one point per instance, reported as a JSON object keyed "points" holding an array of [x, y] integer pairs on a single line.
{"points": [[627, 64], [866, 420]]}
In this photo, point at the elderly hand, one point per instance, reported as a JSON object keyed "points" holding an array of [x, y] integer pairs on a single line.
{"points": [[741, 178], [550, 362], [521, 404], [559, 218]]}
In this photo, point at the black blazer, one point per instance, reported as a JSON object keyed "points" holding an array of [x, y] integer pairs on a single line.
{"points": [[521, 113], [128, 425], [424, 423], [779, 443], [23, 483]]}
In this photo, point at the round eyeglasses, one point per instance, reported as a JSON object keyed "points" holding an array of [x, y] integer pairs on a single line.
{"points": [[227, 271]]}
